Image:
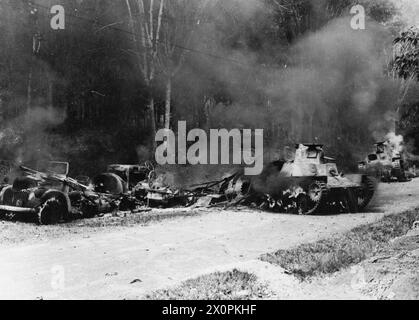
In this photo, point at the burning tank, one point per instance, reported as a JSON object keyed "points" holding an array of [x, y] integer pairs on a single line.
{"points": [[311, 183], [387, 163]]}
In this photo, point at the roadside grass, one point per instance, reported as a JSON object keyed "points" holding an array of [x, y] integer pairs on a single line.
{"points": [[340, 251], [230, 285]]}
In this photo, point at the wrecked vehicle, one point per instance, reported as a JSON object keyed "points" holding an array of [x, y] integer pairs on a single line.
{"points": [[51, 196], [121, 178], [168, 197], [307, 184], [33, 195], [386, 163], [155, 192], [141, 183], [311, 183]]}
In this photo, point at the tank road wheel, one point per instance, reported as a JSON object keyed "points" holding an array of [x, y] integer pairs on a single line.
{"points": [[352, 202], [366, 192], [316, 195], [303, 206], [271, 203]]}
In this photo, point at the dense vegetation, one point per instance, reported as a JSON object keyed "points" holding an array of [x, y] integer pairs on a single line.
{"points": [[97, 91]]}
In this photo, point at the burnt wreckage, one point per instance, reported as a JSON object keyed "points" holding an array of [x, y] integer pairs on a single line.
{"points": [[387, 163], [311, 183], [51, 196], [308, 184]]}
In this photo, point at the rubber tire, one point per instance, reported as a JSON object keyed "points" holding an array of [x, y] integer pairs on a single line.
{"points": [[109, 183], [54, 209], [7, 196]]}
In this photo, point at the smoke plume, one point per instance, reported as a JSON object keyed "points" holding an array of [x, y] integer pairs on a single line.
{"points": [[25, 138]]}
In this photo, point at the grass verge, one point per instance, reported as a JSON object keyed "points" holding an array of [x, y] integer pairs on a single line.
{"points": [[230, 285], [340, 251]]}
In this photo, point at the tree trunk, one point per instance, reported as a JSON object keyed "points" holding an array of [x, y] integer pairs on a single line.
{"points": [[50, 93], [167, 104], [311, 133], [29, 89], [153, 125], [208, 105]]}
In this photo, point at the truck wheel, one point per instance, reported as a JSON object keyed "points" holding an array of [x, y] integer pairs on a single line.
{"points": [[109, 183], [6, 196], [53, 210]]}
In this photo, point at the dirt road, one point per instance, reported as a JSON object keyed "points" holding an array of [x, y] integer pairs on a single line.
{"points": [[128, 262]]}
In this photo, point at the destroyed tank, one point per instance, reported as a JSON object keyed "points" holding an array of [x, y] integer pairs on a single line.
{"points": [[311, 183], [386, 163]]}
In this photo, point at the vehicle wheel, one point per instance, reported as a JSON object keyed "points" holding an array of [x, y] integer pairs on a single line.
{"points": [[108, 183], [51, 212], [54, 208], [6, 196], [303, 204], [273, 205], [366, 192], [352, 202], [316, 196]]}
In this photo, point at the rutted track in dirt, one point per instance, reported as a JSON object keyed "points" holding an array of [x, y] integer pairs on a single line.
{"points": [[127, 262]]}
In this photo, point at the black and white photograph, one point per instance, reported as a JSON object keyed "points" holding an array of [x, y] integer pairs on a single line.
{"points": [[220, 152]]}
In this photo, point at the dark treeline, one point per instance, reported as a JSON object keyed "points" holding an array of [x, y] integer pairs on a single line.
{"points": [[97, 91]]}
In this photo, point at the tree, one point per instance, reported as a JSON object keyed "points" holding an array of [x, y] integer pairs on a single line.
{"points": [[406, 51], [146, 32], [406, 65], [180, 21]]}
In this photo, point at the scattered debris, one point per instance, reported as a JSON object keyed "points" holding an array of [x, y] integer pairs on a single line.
{"points": [[304, 185], [111, 274], [135, 281]]}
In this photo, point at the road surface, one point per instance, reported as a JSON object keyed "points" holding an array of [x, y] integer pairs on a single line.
{"points": [[119, 263]]}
